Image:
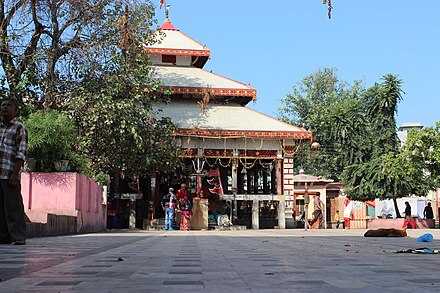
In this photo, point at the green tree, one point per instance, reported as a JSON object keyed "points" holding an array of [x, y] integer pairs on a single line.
{"points": [[85, 59], [332, 110], [44, 42], [375, 177], [421, 155], [112, 104], [52, 137]]}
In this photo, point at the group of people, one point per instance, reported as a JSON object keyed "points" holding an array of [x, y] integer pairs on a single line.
{"points": [[428, 213], [180, 202]]}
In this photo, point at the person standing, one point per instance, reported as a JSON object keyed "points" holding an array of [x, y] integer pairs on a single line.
{"points": [[408, 216], [317, 211], [112, 213], [13, 148], [348, 212], [185, 207], [427, 212], [169, 202]]}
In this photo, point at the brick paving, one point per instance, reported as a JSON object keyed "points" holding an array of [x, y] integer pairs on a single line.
{"points": [[220, 261]]}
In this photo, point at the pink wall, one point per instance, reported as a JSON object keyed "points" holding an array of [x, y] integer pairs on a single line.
{"points": [[64, 193]]}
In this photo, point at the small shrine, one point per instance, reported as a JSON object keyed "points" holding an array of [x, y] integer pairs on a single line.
{"points": [[237, 160]]}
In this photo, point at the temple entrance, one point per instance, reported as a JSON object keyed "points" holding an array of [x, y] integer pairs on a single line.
{"points": [[268, 218], [244, 213]]}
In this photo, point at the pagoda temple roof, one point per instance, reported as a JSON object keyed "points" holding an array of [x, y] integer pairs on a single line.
{"points": [[174, 42], [196, 81], [228, 120]]}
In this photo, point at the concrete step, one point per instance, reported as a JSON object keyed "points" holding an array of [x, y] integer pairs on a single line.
{"points": [[229, 228]]}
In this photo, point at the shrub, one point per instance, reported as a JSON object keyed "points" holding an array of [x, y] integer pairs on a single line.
{"points": [[52, 137]]}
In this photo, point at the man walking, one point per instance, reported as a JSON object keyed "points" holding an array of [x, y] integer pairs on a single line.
{"points": [[13, 147], [169, 201], [408, 217], [317, 211]]}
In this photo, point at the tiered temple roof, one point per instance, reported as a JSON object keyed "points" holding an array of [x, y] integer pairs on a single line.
{"points": [[178, 61]]}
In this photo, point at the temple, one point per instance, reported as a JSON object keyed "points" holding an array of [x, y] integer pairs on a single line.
{"points": [[234, 156]]}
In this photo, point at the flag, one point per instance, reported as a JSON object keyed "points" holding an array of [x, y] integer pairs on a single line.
{"points": [[162, 2], [217, 190], [214, 181]]}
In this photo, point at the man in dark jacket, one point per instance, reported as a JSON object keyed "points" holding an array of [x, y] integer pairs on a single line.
{"points": [[169, 202], [428, 212]]}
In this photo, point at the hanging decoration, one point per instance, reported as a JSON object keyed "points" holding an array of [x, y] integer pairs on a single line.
{"points": [[290, 150], [330, 7], [203, 103]]}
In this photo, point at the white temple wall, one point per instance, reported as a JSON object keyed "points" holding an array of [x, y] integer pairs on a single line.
{"points": [[183, 60]]}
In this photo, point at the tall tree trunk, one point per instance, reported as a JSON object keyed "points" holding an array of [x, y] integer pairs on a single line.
{"points": [[396, 207]]}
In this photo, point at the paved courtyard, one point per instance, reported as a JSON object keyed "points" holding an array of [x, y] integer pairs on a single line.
{"points": [[220, 261]]}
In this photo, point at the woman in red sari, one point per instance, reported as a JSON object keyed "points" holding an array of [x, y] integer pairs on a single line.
{"points": [[185, 207]]}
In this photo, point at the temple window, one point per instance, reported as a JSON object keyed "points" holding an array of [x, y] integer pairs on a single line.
{"points": [[169, 59]]}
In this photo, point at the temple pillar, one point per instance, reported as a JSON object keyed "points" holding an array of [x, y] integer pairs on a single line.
{"points": [[255, 171], [279, 175], [248, 181], [234, 175], [255, 214], [288, 184], [281, 212], [132, 215], [265, 183], [273, 181]]}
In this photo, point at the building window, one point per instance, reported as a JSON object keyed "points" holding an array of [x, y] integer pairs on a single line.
{"points": [[169, 59]]}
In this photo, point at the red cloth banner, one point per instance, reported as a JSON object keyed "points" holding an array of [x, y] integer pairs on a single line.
{"points": [[213, 172], [215, 181], [162, 2]]}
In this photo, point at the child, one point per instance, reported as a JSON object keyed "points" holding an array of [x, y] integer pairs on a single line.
{"points": [[338, 220]]}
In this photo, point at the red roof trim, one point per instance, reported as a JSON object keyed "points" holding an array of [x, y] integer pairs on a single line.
{"points": [[179, 52], [215, 133], [220, 92]]}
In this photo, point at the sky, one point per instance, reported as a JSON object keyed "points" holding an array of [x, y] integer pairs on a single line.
{"points": [[273, 45]]}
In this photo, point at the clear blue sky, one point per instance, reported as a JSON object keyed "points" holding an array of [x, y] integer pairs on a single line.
{"points": [[274, 44]]}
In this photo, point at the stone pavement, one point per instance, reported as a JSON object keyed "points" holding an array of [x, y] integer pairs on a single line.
{"points": [[220, 261]]}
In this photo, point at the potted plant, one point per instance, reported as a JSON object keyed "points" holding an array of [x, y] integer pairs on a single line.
{"points": [[52, 138]]}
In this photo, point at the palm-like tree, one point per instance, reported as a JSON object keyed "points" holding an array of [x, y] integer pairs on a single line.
{"points": [[369, 179]]}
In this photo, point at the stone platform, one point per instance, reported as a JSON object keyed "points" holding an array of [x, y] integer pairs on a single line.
{"points": [[220, 261]]}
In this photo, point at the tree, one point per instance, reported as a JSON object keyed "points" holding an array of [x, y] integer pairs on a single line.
{"points": [[118, 128], [421, 154], [332, 110], [112, 103], [85, 59], [42, 42], [375, 177]]}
